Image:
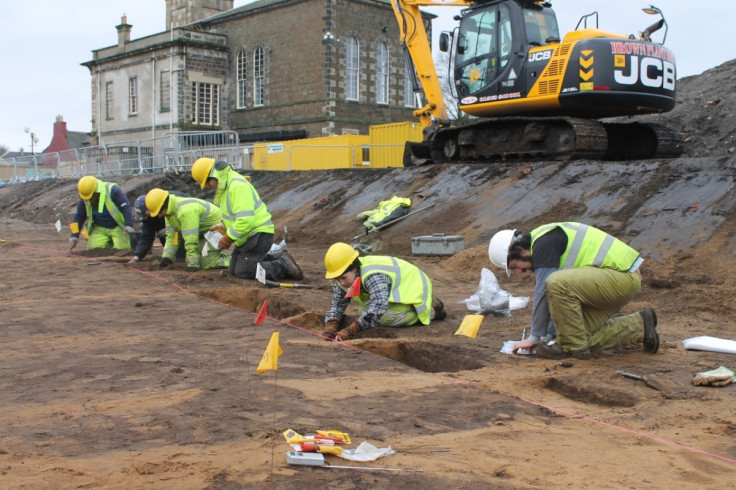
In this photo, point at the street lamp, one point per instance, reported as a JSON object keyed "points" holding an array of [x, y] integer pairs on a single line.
{"points": [[34, 139]]}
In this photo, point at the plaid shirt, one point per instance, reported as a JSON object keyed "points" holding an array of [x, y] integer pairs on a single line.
{"points": [[378, 286]]}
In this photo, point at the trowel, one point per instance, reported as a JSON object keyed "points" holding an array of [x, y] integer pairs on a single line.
{"points": [[640, 377]]}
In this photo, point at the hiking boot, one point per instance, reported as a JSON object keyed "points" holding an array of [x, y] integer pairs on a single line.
{"points": [[651, 338], [292, 268], [439, 309], [554, 351]]}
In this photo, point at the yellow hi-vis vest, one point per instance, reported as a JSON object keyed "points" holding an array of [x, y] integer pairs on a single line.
{"points": [[243, 211], [589, 246], [409, 285], [193, 218], [105, 190]]}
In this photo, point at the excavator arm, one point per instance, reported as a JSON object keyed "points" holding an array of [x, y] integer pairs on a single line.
{"points": [[413, 36]]}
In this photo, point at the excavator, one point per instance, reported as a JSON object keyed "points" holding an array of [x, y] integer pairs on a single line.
{"points": [[532, 94]]}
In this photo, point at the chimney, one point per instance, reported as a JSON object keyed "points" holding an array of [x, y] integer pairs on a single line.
{"points": [[123, 32], [58, 141]]}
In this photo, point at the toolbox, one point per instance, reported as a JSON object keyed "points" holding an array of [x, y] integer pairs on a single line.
{"points": [[436, 244]]}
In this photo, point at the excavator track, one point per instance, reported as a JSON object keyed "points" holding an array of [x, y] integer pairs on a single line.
{"points": [[548, 138], [640, 141], [516, 138]]}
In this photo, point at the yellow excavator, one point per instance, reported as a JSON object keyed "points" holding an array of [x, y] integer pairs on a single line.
{"points": [[534, 94]]}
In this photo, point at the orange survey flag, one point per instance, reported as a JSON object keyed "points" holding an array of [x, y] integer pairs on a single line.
{"points": [[270, 358], [262, 313], [354, 289]]}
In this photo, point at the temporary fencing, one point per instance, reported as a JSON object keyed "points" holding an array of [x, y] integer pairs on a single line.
{"points": [[173, 151]]}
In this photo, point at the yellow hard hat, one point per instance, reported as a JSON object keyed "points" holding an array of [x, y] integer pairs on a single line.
{"points": [[338, 258], [201, 170], [87, 186], [155, 199]]}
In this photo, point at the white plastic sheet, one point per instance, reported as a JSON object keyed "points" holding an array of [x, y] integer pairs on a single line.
{"points": [[711, 344]]}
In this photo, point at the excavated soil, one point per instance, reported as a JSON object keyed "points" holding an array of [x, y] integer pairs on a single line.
{"points": [[139, 377]]}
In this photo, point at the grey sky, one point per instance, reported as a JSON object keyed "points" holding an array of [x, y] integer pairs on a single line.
{"points": [[44, 41]]}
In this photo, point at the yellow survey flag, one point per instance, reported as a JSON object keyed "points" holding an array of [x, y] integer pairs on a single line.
{"points": [[270, 358]]}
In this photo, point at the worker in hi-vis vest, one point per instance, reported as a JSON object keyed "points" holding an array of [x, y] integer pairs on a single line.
{"points": [[391, 292], [584, 277], [105, 208]]}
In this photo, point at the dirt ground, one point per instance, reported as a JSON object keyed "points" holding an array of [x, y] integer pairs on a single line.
{"points": [[136, 377]]}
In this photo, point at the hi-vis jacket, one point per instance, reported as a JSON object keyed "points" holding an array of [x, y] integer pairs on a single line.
{"points": [[193, 218], [386, 211], [112, 203], [409, 285], [589, 246], [243, 212]]}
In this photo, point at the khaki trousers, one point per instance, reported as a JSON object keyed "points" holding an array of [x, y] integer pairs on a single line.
{"points": [[582, 302]]}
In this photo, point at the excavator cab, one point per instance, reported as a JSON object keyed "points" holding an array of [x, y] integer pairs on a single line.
{"points": [[492, 44]]}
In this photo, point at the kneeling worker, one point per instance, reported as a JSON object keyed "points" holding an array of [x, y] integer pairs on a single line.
{"points": [[584, 276], [192, 218], [107, 211], [246, 223], [152, 228], [393, 292]]}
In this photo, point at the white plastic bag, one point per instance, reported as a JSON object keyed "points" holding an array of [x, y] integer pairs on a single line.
{"points": [[366, 452], [491, 299]]}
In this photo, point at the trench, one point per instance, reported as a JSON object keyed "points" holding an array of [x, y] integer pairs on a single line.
{"points": [[580, 390], [424, 356]]}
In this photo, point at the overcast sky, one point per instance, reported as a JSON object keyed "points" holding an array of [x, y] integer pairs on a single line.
{"points": [[44, 41]]}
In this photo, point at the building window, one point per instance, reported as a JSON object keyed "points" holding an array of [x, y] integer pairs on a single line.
{"points": [[133, 95], [164, 91], [352, 68], [109, 99], [206, 98], [410, 99], [382, 74], [242, 69], [258, 75]]}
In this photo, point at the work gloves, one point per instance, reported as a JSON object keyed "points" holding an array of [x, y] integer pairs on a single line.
{"points": [[224, 243], [165, 262], [73, 240], [128, 230], [331, 330], [219, 228], [715, 377], [348, 333]]}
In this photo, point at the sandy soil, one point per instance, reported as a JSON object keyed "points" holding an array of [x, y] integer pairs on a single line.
{"points": [[122, 377]]}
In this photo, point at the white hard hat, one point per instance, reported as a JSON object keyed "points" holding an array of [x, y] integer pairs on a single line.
{"points": [[498, 249]]}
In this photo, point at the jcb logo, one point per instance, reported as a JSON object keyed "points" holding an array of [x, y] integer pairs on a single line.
{"points": [[540, 56], [652, 72]]}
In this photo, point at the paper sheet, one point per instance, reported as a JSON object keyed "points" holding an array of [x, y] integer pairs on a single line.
{"points": [[508, 345]]}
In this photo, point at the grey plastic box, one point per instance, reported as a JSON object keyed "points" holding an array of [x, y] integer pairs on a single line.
{"points": [[437, 244]]}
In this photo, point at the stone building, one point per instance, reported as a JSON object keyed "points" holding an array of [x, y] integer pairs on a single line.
{"points": [[269, 70]]}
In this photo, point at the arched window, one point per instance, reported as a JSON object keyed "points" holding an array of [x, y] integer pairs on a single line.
{"points": [[382, 68], [258, 76], [352, 68], [242, 70]]}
